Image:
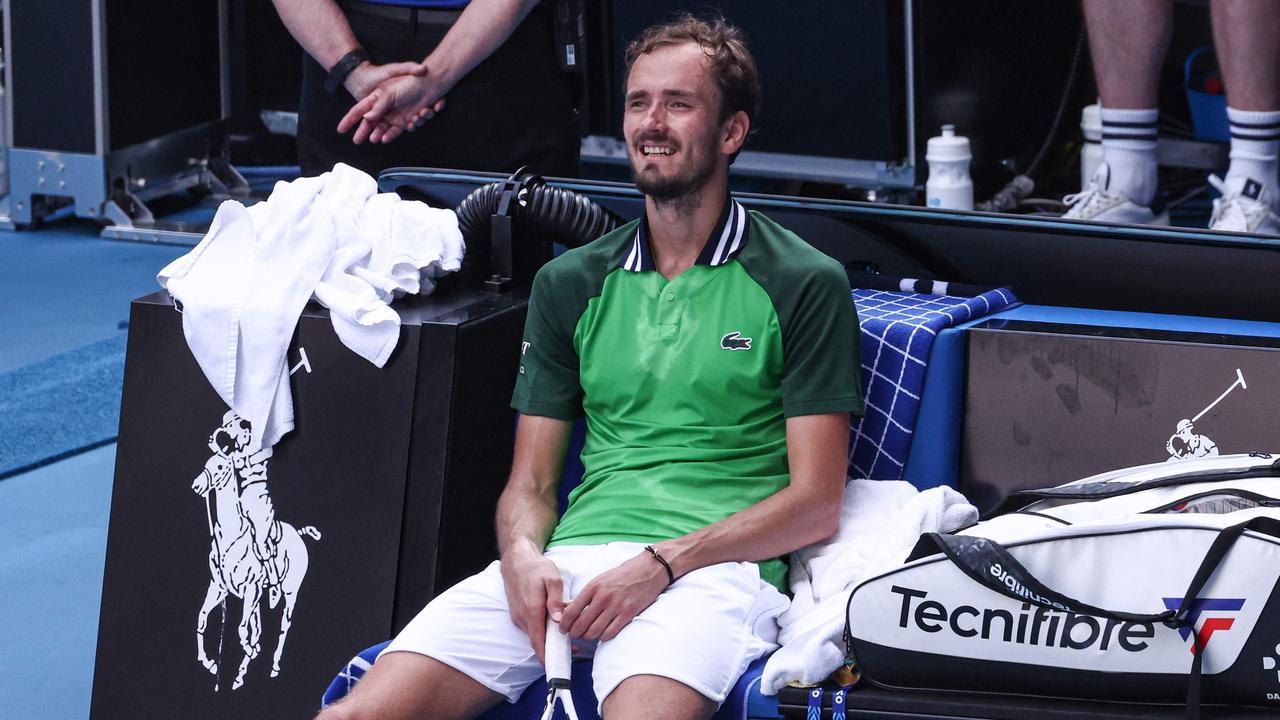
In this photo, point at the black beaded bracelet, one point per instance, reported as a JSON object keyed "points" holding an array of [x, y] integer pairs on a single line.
{"points": [[341, 69], [671, 577]]}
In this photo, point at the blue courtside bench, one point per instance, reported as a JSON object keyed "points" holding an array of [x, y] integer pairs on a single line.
{"points": [[933, 459], [897, 327]]}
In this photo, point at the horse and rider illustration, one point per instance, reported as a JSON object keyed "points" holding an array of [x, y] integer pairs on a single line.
{"points": [[1185, 443], [251, 553]]}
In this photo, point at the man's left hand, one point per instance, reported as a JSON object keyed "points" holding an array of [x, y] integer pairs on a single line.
{"points": [[397, 104], [367, 76], [614, 598]]}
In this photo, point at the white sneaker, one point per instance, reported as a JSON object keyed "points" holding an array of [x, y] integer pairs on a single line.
{"points": [[1246, 211], [1097, 203]]}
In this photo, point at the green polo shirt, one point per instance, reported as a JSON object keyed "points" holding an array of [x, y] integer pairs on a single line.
{"points": [[686, 384]]}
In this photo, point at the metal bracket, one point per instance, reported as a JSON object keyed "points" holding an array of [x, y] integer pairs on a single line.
{"points": [[38, 177], [131, 220], [503, 260], [125, 208], [224, 179], [499, 254], [6, 223]]}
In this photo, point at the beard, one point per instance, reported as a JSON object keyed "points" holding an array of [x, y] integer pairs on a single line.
{"points": [[685, 183]]}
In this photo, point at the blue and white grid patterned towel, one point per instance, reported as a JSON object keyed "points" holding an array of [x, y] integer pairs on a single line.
{"points": [[351, 674], [898, 329]]}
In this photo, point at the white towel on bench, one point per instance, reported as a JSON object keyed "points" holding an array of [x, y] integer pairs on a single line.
{"points": [[331, 237], [880, 522]]}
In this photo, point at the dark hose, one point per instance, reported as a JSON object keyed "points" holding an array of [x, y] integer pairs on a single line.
{"points": [[546, 212]]}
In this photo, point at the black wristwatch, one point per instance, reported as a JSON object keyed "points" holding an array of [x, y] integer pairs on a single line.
{"points": [[341, 69]]}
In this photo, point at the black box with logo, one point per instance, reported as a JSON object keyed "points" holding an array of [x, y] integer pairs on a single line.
{"points": [[384, 494]]}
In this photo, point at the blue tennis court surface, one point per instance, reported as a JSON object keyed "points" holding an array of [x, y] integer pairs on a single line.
{"points": [[65, 295], [53, 538], [36, 428]]}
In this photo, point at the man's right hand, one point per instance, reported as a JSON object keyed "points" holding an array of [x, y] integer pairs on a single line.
{"points": [[534, 591]]}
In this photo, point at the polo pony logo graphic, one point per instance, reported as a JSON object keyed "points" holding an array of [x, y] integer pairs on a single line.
{"points": [[1186, 443], [735, 341], [251, 554]]}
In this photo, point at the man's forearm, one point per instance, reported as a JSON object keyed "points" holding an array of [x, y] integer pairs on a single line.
{"points": [[527, 510], [319, 27], [524, 521], [482, 27], [785, 521], [805, 512]]}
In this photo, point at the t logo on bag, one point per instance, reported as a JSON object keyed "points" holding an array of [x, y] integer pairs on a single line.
{"points": [[1211, 624]]}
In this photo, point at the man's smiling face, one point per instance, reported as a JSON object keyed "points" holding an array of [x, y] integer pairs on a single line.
{"points": [[672, 121]]}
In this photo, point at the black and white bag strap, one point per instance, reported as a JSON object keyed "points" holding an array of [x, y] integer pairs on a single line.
{"points": [[1101, 490]]}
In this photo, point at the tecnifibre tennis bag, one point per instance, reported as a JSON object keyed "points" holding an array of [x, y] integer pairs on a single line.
{"points": [[1100, 589]]}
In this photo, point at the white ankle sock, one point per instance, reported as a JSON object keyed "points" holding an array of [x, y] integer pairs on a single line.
{"points": [[1129, 147], [1255, 140]]}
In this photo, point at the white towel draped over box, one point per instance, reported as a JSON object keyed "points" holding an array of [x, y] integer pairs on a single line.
{"points": [[880, 522], [331, 237]]}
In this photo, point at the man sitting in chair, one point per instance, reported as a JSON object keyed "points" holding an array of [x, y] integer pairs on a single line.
{"points": [[713, 354]]}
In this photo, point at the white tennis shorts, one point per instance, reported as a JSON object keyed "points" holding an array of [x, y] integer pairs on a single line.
{"points": [[703, 631]]}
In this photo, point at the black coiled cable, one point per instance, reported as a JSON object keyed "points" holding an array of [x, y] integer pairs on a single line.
{"points": [[542, 211]]}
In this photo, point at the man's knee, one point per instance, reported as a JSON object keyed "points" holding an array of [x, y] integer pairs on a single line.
{"points": [[642, 697], [409, 686], [340, 710], [355, 707], [350, 709]]}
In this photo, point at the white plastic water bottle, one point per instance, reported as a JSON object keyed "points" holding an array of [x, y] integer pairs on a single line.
{"points": [[949, 185], [1091, 149]]}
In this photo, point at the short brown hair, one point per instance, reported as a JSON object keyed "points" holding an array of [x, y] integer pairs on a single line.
{"points": [[732, 66]]}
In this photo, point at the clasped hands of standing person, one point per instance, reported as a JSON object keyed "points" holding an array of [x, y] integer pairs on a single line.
{"points": [[392, 99]]}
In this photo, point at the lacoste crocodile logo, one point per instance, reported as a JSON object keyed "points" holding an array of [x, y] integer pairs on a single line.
{"points": [[733, 341]]}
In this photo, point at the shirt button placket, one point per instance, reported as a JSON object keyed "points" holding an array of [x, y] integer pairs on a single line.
{"points": [[668, 315]]}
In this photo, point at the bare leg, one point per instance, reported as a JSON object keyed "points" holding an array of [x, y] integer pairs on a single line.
{"points": [[1245, 36], [1244, 33], [1127, 41], [408, 686], [643, 697]]}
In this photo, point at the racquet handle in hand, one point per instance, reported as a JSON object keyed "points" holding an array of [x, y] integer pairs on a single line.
{"points": [[559, 661], [558, 653]]}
